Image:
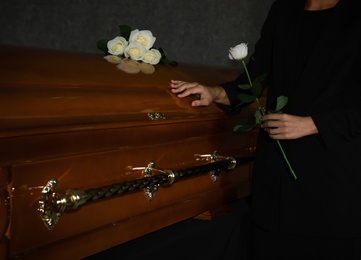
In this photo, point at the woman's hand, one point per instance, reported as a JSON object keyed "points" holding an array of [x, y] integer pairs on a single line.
{"points": [[206, 94], [285, 126]]}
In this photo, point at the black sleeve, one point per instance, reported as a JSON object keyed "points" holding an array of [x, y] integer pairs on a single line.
{"points": [[259, 63]]}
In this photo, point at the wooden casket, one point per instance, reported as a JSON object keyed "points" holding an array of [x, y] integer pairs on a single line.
{"points": [[92, 157]]}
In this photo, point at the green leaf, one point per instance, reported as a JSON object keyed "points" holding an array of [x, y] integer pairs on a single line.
{"points": [[257, 116], [257, 85], [257, 89], [166, 59], [125, 31], [102, 45], [242, 128], [246, 98], [281, 103], [245, 86], [260, 78]]}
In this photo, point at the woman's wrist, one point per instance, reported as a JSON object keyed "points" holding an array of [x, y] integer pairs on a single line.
{"points": [[220, 95]]}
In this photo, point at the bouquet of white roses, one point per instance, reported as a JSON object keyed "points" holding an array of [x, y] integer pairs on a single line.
{"points": [[135, 45]]}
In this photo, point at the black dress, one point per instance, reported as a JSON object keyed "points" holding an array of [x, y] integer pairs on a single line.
{"points": [[313, 57]]}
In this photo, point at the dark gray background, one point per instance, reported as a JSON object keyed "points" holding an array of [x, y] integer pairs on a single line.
{"points": [[188, 30]]}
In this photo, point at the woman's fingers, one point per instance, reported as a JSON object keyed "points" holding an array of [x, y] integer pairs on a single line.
{"points": [[286, 126], [184, 88]]}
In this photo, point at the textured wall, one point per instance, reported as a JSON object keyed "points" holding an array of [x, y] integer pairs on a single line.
{"points": [[188, 30]]}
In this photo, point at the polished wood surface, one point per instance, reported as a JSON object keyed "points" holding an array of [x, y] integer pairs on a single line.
{"points": [[77, 118]]}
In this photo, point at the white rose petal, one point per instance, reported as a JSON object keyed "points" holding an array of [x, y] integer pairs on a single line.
{"points": [[152, 56], [113, 59], [135, 51], [144, 37], [117, 45], [238, 52]]}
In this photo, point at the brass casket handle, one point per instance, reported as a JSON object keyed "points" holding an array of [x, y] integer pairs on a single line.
{"points": [[56, 200]]}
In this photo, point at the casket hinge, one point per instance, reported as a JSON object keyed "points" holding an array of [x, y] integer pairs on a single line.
{"points": [[156, 116]]}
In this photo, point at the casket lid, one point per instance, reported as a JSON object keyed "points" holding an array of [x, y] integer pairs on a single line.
{"points": [[46, 90]]}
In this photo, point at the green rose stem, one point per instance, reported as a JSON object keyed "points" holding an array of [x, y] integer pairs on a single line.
{"points": [[262, 110]]}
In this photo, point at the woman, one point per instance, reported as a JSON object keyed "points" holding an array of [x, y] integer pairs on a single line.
{"points": [[310, 51]]}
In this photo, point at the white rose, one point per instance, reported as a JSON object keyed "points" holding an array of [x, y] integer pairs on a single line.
{"points": [[238, 52], [135, 51], [117, 45], [152, 56], [144, 37]]}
